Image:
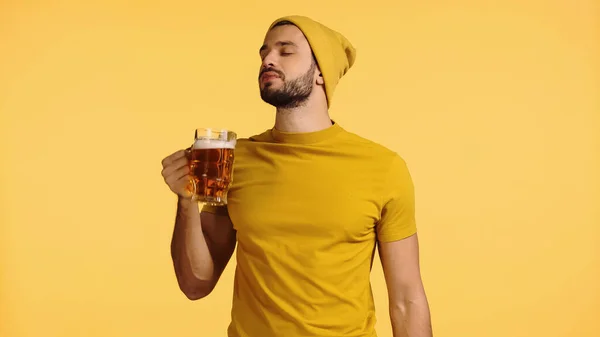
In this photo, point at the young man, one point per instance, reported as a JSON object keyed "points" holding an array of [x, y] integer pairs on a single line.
{"points": [[309, 203]]}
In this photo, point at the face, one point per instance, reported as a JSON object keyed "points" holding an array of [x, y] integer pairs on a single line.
{"points": [[288, 71]]}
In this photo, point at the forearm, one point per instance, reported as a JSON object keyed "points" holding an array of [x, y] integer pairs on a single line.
{"points": [[411, 318], [192, 260]]}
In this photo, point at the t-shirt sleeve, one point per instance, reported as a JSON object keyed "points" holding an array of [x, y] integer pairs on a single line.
{"points": [[218, 210], [398, 213]]}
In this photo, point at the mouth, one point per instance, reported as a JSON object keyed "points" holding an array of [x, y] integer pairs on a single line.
{"points": [[268, 76]]}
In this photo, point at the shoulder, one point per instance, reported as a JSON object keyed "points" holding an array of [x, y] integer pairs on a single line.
{"points": [[391, 165], [263, 137], [377, 151], [249, 142]]}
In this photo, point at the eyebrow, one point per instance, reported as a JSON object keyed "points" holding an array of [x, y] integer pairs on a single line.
{"points": [[279, 43]]}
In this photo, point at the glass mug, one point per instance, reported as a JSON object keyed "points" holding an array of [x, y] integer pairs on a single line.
{"points": [[211, 165]]}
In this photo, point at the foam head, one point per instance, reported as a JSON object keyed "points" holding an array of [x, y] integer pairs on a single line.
{"points": [[213, 144]]}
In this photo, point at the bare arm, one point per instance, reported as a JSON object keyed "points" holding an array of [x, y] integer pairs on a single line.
{"points": [[201, 247], [202, 243], [409, 309]]}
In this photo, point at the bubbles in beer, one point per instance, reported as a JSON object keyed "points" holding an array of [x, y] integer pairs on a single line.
{"points": [[211, 167], [213, 144]]}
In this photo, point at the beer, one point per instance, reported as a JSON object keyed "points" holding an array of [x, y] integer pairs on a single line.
{"points": [[211, 166]]}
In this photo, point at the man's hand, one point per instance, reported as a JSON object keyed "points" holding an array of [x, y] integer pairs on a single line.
{"points": [[176, 173], [202, 242]]}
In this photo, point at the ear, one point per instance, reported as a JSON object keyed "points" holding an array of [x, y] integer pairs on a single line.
{"points": [[320, 80]]}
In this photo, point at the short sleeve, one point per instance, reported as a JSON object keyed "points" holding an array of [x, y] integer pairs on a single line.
{"points": [[218, 210], [398, 213]]}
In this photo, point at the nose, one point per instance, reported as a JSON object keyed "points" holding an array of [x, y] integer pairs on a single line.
{"points": [[269, 60]]}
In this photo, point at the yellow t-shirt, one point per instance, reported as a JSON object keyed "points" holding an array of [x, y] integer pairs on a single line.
{"points": [[308, 209]]}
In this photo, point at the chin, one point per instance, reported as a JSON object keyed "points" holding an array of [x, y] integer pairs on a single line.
{"points": [[271, 84], [269, 87]]}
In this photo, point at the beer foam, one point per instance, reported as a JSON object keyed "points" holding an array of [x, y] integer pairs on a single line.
{"points": [[213, 144]]}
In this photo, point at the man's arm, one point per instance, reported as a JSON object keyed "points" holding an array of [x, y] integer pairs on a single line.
{"points": [[201, 247], [409, 309]]}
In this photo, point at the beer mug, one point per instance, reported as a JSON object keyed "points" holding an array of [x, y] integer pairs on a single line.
{"points": [[211, 165]]}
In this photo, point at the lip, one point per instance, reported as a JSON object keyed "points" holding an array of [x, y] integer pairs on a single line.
{"points": [[267, 76]]}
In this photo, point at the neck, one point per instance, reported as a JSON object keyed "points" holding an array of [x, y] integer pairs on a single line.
{"points": [[309, 117]]}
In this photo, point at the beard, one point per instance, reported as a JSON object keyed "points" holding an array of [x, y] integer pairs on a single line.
{"points": [[293, 93]]}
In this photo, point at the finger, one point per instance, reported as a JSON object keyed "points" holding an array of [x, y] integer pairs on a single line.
{"points": [[172, 157], [180, 162], [174, 166], [175, 184], [184, 184], [175, 175], [183, 181], [181, 172]]}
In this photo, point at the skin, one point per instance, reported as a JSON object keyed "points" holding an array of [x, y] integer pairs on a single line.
{"points": [[203, 243], [286, 52], [408, 305]]}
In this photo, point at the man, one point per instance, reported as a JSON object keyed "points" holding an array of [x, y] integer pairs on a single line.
{"points": [[309, 203]]}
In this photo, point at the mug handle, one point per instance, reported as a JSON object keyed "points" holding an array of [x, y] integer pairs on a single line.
{"points": [[192, 189]]}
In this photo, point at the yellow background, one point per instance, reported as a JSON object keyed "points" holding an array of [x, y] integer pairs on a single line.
{"points": [[495, 108]]}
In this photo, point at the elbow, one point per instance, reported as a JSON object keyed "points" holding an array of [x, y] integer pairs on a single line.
{"points": [[194, 295], [400, 305], [398, 309], [196, 291]]}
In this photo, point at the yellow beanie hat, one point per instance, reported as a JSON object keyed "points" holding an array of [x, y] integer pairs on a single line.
{"points": [[334, 53]]}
